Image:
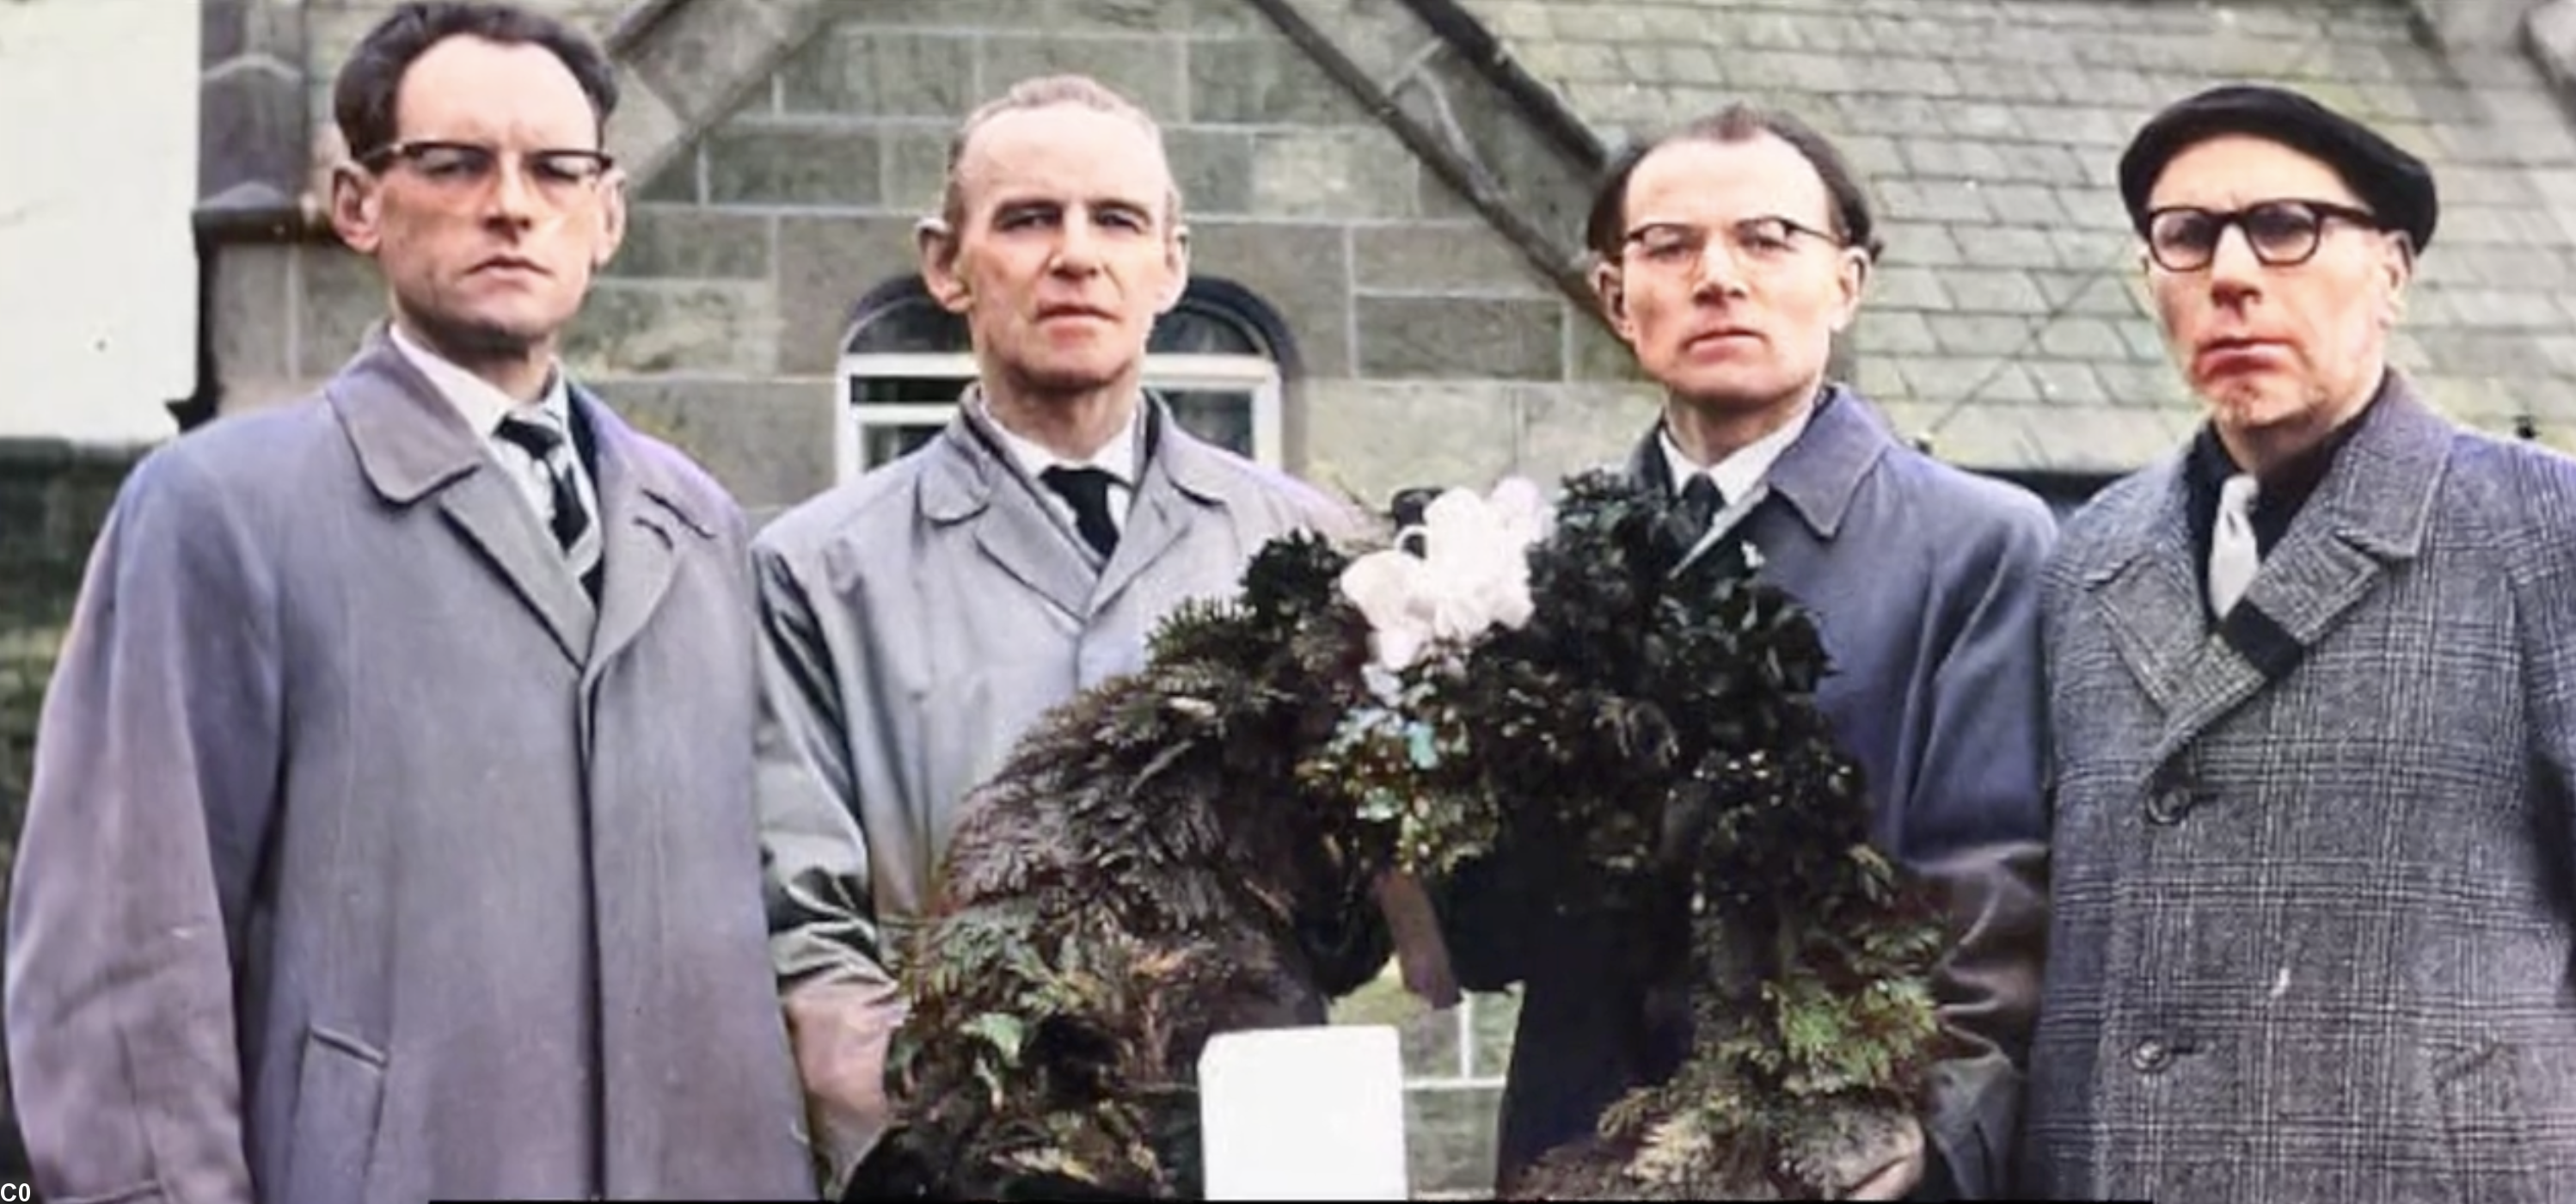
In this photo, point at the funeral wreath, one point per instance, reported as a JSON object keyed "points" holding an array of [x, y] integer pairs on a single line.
{"points": [[1586, 687]]}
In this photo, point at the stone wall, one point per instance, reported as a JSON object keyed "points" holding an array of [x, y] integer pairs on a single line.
{"points": [[1406, 311]]}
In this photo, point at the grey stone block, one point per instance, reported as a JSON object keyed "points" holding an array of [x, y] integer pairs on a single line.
{"points": [[631, 328], [2074, 337], [1924, 244], [2145, 338], [1893, 332], [771, 164], [1461, 258], [1983, 119], [1980, 334], [1334, 173], [1566, 429], [708, 55], [1213, 167], [769, 442], [1899, 286], [676, 181], [1145, 69], [2032, 205], [2062, 382], [1264, 81], [881, 73], [253, 321], [2039, 163], [1990, 290], [251, 128], [1595, 351], [1934, 200], [1893, 116], [2145, 385], [1460, 338], [2009, 246], [338, 297], [1357, 444], [2095, 293], [670, 242], [825, 265], [1119, 16], [1956, 159], [1301, 271], [916, 165]]}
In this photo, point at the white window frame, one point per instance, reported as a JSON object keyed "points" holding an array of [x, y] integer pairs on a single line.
{"points": [[1255, 374]]}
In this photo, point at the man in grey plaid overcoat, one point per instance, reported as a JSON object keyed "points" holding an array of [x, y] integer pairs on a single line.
{"points": [[2314, 703]]}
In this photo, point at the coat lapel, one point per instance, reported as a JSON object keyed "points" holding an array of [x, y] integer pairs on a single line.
{"points": [[2369, 514], [1177, 483], [969, 481], [410, 444], [644, 518], [2150, 596]]}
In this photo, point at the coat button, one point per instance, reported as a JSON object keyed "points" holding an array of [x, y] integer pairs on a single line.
{"points": [[2150, 1056], [2166, 809]]}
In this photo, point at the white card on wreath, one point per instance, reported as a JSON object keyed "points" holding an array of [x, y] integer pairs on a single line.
{"points": [[1303, 1114]]}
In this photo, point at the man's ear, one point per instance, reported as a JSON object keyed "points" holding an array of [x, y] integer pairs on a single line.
{"points": [[1851, 283], [356, 209], [937, 245], [612, 217], [1176, 255], [2399, 268], [1612, 293]]}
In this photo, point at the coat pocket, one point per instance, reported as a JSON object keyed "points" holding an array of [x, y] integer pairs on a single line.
{"points": [[339, 1101], [2485, 1145]]}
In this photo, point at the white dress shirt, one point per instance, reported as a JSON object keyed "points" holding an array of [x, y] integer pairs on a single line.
{"points": [[484, 406], [1738, 473], [1118, 457]]}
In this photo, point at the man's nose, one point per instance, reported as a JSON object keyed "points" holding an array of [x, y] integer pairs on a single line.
{"points": [[2234, 269]]}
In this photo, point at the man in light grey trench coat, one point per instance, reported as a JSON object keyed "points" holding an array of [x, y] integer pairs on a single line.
{"points": [[2314, 691], [392, 835], [914, 622]]}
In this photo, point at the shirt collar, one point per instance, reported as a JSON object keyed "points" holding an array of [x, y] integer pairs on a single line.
{"points": [[1741, 470], [482, 406], [2289, 484], [1118, 457]]}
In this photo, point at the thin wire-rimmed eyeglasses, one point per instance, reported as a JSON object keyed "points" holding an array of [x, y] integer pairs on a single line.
{"points": [[2281, 233], [1760, 241], [558, 175]]}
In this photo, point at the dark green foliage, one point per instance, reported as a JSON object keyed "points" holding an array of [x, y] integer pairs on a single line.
{"points": [[1192, 849]]}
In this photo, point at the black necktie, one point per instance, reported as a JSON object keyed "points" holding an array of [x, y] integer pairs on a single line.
{"points": [[1088, 490], [570, 521], [1699, 505]]}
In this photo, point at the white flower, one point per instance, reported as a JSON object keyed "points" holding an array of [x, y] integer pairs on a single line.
{"points": [[1473, 573]]}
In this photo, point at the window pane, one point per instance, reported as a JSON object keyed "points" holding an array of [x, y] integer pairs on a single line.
{"points": [[882, 444], [1220, 416], [1192, 330], [914, 324], [905, 390]]}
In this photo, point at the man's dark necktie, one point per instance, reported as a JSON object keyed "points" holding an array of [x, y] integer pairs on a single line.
{"points": [[570, 521], [1698, 506], [1088, 490]]}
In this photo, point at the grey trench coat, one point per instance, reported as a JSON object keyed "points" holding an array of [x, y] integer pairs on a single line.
{"points": [[914, 623], [365, 865]]}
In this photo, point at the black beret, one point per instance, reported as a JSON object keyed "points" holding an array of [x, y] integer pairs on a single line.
{"points": [[2390, 182]]}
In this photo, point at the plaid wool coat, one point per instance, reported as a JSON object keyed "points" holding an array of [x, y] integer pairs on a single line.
{"points": [[2311, 868]]}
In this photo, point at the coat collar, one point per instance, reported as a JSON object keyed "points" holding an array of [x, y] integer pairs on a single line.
{"points": [[2370, 512], [968, 477], [1818, 475], [412, 446]]}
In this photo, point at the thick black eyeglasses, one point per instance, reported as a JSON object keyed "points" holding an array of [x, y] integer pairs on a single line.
{"points": [[559, 175], [2184, 238]]}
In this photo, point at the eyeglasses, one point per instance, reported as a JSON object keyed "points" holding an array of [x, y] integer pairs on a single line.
{"points": [[1758, 242], [2282, 234], [559, 177]]}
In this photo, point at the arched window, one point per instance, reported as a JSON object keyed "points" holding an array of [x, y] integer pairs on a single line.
{"points": [[1219, 357]]}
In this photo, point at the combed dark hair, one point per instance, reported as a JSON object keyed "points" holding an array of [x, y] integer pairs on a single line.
{"points": [[362, 100], [1607, 223]]}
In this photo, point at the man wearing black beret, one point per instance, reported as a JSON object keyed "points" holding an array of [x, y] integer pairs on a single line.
{"points": [[2313, 693]]}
